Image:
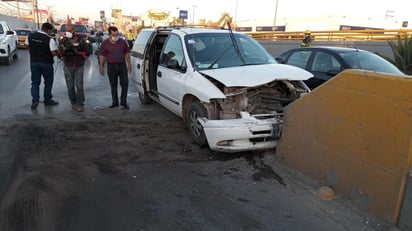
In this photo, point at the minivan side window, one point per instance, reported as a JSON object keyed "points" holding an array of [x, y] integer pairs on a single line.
{"points": [[172, 55], [140, 43]]}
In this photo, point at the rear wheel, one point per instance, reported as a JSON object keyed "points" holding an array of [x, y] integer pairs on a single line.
{"points": [[196, 110]]}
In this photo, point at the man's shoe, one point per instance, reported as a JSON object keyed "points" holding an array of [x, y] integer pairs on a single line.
{"points": [[80, 108], [125, 106], [34, 105], [113, 105], [51, 103]]}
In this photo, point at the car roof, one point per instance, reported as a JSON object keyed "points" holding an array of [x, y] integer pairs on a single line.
{"points": [[191, 30]]}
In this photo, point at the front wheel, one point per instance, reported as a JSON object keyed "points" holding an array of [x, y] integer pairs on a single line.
{"points": [[144, 98], [15, 56], [196, 110], [9, 57]]}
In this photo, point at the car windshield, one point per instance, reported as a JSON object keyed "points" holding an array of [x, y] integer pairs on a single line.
{"points": [[77, 28], [23, 32], [216, 50], [369, 61], [80, 28]]}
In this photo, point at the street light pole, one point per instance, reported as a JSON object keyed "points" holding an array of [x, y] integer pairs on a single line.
{"points": [[18, 9], [236, 12], [193, 14], [35, 10], [276, 12]]}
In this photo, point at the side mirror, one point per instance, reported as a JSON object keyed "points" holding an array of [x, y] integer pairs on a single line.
{"points": [[280, 60], [9, 32], [332, 72], [173, 63]]}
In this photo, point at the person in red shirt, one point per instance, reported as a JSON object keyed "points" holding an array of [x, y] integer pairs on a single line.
{"points": [[115, 51]]}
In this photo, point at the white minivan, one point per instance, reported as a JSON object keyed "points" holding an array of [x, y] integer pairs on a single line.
{"points": [[229, 91]]}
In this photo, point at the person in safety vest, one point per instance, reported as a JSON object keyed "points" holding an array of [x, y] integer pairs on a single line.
{"points": [[130, 39], [307, 40]]}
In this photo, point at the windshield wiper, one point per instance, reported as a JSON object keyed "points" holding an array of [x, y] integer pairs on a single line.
{"points": [[237, 49], [250, 64], [235, 45]]}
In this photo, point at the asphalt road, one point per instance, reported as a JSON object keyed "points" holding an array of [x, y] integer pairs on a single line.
{"points": [[114, 169], [15, 83], [10, 76]]}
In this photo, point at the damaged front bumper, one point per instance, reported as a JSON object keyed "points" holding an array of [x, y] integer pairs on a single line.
{"points": [[248, 133]]}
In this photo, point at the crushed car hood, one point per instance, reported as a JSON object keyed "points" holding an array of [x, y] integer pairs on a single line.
{"points": [[255, 75]]}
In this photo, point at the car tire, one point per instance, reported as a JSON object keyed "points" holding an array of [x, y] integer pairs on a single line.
{"points": [[144, 98], [195, 111], [9, 57], [15, 56]]}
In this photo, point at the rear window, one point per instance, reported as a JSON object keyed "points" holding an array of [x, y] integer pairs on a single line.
{"points": [[369, 61], [23, 32], [141, 42], [77, 28]]}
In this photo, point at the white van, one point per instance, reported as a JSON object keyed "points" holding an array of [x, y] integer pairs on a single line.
{"points": [[229, 91]]}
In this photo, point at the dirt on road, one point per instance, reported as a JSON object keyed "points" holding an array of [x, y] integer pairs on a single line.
{"points": [[113, 169]]}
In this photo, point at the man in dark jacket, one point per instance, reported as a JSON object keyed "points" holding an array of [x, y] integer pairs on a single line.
{"points": [[43, 48], [74, 50]]}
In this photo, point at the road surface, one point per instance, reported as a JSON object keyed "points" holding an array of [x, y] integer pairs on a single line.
{"points": [[113, 169]]}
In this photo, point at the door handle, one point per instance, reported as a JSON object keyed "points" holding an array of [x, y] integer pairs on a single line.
{"points": [[138, 66], [159, 74]]}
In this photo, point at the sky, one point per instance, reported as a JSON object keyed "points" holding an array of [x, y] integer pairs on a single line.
{"points": [[239, 9]]}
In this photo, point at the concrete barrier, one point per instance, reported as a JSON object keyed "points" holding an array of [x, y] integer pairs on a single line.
{"points": [[354, 134]]}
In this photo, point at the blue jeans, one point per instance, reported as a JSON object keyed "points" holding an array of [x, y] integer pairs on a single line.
{"points": [[37, 71], [74, 83]]}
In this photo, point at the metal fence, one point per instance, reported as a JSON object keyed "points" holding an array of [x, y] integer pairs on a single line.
{"points": [[341, 35]]}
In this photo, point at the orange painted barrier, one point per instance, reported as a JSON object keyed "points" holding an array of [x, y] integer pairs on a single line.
{"points": [[354, 134], [333, 35]]}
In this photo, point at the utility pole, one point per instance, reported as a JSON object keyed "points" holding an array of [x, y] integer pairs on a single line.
{"points": [[35, 11], [193, 14], [18, 8], [237, 1], [276, 12], [50, 14]]}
